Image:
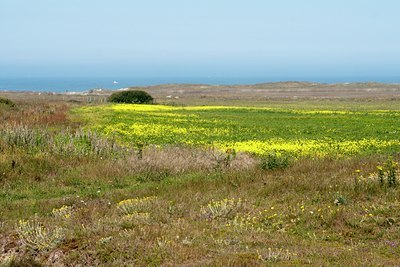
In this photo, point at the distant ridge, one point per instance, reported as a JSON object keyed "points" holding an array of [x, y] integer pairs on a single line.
{"points": [[276, 85]]}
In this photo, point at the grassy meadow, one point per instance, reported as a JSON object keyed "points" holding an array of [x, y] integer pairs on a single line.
{"points": [[300, 132], [287, 184]]}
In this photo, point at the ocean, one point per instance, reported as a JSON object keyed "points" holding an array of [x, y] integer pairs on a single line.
{"points": [[80, 84]]}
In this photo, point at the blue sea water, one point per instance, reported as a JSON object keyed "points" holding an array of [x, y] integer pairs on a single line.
{"points": [[79, 84]]}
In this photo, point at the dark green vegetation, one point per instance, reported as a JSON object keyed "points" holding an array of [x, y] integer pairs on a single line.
{"points": [[6, 102], [131, 97], [69, 196]]}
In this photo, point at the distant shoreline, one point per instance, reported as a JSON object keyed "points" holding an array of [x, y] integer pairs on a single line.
{"points": [[84, 84], [265, 85]]}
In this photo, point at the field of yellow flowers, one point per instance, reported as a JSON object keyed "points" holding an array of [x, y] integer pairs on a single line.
{"points": [[311, 133]]}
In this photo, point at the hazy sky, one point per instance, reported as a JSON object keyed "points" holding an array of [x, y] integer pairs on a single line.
{"points": [[199, 38]]}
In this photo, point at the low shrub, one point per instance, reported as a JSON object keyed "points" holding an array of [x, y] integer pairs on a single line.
{"points": [[276, 160], [136, 205], [131, 97], [7, 102], [221, 209], [39, 238], [389, 172]]}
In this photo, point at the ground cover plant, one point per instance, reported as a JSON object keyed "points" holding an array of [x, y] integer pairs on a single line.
{"points": [[256, 130], [6, 102], [72, 193]]}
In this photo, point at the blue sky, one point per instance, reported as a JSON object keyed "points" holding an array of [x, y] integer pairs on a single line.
{"points": [[287, 38]]}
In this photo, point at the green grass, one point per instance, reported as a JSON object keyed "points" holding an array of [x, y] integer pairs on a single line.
{"points": [[301, 132], [314, 210]]}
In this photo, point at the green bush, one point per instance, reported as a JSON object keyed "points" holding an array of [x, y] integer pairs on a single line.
{"points": [[131, 97], [276, 159], [6, 101]]}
